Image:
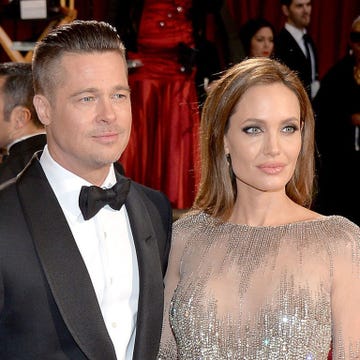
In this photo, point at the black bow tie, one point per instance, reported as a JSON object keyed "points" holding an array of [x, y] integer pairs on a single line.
{"points": [[93, 198]]}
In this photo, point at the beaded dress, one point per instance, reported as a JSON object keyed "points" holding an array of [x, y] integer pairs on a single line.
{"points": [[262, 292]]}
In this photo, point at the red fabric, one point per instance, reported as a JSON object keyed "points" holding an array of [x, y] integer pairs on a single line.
{"points": [[164, 140]]}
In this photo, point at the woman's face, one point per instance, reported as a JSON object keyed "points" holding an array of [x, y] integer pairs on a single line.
{"points": [[264, 138], [262, 43]]}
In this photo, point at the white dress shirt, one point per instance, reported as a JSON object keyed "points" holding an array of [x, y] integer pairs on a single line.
{"points": [[107, 248]]}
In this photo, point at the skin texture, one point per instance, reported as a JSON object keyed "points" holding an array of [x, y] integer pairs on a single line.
{"points": [[88, 120], [298, 13], [262, 43], [264, 141]]}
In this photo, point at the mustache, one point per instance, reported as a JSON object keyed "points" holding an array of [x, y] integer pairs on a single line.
{"points": [[104, 130]]}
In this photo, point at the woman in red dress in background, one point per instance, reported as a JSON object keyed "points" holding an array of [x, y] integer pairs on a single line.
{"points": [[163, 143], [161, 36]]}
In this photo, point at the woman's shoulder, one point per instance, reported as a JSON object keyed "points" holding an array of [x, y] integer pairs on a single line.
{"points": [[190, 219], [338, 222], [337, 231]]}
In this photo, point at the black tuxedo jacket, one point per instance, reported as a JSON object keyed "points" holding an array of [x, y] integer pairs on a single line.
{"points": [[48, 306], [289, 53], [19, 155]]}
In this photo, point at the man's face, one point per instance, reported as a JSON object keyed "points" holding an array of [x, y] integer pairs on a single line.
{"points": [[355, 45], [5, 124], [298, 13], [88, 118]]}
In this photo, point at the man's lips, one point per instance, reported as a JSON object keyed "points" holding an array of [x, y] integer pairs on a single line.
{"points": [[108, 136]]}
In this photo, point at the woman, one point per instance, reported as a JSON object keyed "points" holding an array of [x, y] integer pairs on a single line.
{"points": [[170, 58], [253, 273], [257, 36]]}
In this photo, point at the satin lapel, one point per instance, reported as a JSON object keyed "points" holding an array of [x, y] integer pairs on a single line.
{"points": [[63, 265], [150, 306], [294, 46]]}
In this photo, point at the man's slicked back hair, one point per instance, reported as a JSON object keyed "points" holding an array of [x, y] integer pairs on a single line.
{"points": [[79, 36]]}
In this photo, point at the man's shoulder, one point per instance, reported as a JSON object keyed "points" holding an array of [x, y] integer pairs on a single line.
{"points": [[284, 39], [152, 194], [7, 184], [8, 202]]}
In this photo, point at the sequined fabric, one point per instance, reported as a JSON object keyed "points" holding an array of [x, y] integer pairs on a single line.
{"points": [[272, 292]]}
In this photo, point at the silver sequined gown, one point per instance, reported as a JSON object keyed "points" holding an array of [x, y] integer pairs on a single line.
{"points": [[272, 292]]}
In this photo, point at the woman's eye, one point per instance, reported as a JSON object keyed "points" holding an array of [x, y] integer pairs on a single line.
{"points": [[252, 130], [290, 129]]}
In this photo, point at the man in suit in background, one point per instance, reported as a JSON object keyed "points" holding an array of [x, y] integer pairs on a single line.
{"points": [[21, 132], [83, 249], [294, 46]]}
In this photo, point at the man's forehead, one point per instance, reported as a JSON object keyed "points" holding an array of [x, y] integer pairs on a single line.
{"points": [[301, 2]]}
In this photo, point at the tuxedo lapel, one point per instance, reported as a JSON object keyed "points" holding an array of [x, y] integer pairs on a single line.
{"points": [[63, 265], [294, 47], [150, 274]]}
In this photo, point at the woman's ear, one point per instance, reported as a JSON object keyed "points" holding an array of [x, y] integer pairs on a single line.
{"points": [[42, 107], [226, 147]]}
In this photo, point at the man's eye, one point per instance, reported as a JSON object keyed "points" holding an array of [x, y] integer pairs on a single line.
{"points": [[87, 99], [119, 96]]}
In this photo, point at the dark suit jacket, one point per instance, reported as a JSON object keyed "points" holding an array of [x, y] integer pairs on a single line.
{"points": [[289, 53], [19, 155], [48, 306]]}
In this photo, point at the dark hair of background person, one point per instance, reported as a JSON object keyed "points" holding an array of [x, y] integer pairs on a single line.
{"points": [[70, 38], [286, 2], [17, 89], [250, 28], [217, 189]]}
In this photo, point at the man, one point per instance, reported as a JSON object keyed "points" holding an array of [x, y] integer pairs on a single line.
{"points": [[77, 280], [21, 132], [337, 109], [294, 47]]}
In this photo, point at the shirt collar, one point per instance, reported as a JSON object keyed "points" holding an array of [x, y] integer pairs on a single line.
{"points": [[296, 33], [24, 138], [67, 185]]}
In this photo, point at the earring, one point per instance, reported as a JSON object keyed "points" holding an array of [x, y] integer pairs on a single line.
{"points": [[228, 159]]}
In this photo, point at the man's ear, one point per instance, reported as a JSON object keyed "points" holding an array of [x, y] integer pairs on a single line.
{"points": [[42, 107], [20, 116], [285, 10]]}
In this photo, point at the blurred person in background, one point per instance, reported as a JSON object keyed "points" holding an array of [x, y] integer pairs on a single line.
{"points": [[258, 36], [295, 47], [21, 132], [172, 62], [337, 108]]}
